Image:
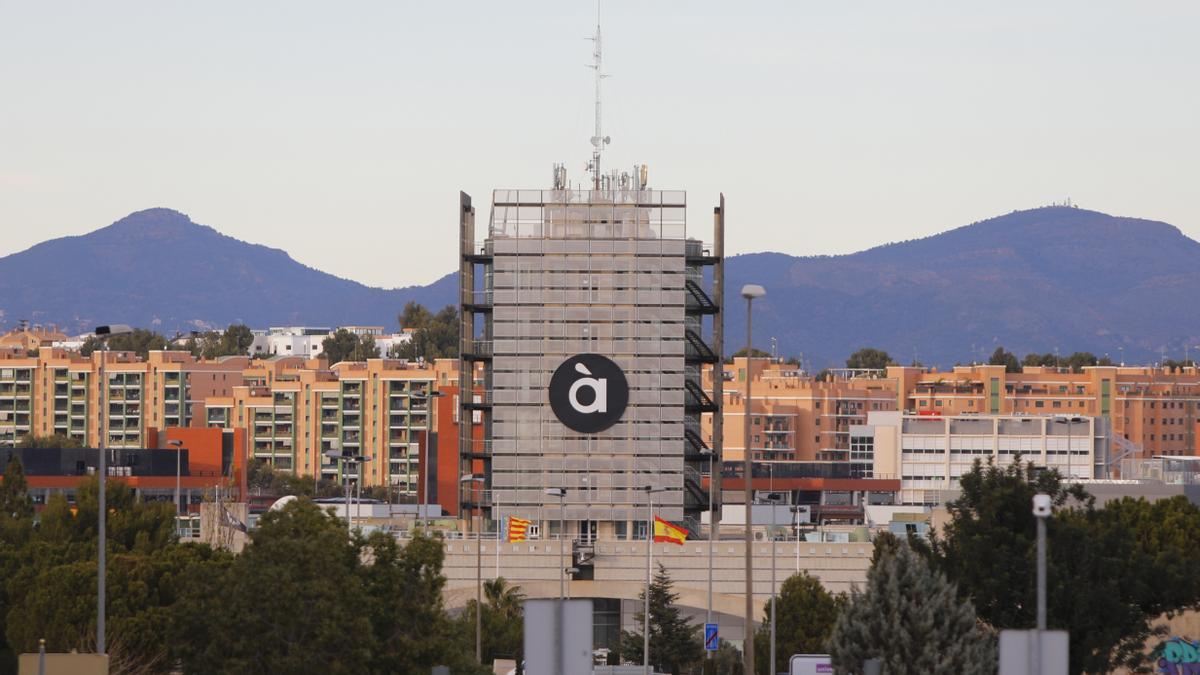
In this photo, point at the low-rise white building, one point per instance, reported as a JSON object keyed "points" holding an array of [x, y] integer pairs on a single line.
{"points": [[929, 453], [289, 341]]}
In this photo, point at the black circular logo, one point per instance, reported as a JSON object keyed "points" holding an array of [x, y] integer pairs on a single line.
{"points": [[588, 393]]}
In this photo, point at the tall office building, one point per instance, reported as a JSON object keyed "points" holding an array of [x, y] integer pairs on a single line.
{"points": [[590, 313]]}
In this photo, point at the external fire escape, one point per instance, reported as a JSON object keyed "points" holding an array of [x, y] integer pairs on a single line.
{"points": [[475, 350], [702, 310]]}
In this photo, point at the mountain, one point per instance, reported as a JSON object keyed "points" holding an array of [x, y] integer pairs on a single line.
{"points": [[1036, 280], [158, 269]]}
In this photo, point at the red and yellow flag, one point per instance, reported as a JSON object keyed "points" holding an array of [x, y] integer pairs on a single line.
{"points": [[518, 529], [668, 532]]}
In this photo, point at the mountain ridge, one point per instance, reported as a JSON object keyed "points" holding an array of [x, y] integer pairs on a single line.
{"points": [[1030, 280]]}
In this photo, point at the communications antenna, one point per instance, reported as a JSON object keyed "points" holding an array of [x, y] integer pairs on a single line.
{"points": [[599, 140]]}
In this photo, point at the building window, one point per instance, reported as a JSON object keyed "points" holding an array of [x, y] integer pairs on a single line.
{"points": [[1039, 404], [1057, 404]]}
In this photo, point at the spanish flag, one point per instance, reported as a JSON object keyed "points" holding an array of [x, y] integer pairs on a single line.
{"points": [[668, 532], [518, 529]]}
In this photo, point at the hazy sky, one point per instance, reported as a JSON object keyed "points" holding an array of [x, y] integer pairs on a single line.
{"points": [[342, 132]]}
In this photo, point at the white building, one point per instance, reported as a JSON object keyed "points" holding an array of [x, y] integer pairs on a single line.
{"points": [[930, 453], [289, 341]]}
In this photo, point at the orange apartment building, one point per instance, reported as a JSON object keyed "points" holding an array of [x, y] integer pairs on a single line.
{"points": [[795, 417], [55, 391], [1151, 411], [296, 412]]}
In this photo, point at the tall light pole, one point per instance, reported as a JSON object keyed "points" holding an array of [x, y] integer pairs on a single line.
{"points": [[423, 465], [650, 490], [561, 493], [749, 292], [712, 524], [178, 445], [103, 333], [1042, 505], [472, 479], [771, 538], [1069, 421]]}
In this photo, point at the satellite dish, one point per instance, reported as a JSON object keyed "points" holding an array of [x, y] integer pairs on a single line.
{"points": [[282, 502]]}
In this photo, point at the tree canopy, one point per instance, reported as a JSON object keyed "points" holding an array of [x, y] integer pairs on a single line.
{"points": [[869, 358], [234, 341], [675, 644], [434, 336], [346, 346], [1110, 571], [806, 613], [1003, 357], [911, 618], [140, 341], [51, 441]]}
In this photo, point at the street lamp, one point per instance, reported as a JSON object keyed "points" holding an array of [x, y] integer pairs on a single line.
{"points": [[749, 292], [1070, 421], [650, 490], [103, 333], [178, 445], [561, 493], [348, 459], [1042, 506], [774, 499], [423, 466], [473, 478], [712, 524]]}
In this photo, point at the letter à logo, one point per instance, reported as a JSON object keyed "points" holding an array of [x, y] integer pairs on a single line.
{"points": [[588, 393], [599, 388]]}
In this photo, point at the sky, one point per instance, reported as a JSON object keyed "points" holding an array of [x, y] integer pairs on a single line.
{"points": [[342, 132]]}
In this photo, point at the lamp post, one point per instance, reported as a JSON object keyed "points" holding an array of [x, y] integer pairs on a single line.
{"points": [[178, 445], [473, 478], [749, 292], [712, 524], [423, 466], [103, 333], [1042, 506], [771, 538], [650, 490], [561, 493], [1070, 422], [348, 459]]}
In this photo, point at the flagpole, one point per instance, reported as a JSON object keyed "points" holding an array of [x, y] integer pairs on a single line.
{"points": [[501, 533]]}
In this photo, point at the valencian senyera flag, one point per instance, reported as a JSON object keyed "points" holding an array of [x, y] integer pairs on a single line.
{"points": [[518, 529], [668, 532]]}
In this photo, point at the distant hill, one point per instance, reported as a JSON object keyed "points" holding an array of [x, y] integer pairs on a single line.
{"points": [[1030, 281], [158, 269], [1036, 280]]}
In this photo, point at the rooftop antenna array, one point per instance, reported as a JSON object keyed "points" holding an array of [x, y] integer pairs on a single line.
{"points": [[599, 140]]}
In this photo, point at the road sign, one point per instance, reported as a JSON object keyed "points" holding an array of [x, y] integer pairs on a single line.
{"points": [[711, 641], [1018, 650]]}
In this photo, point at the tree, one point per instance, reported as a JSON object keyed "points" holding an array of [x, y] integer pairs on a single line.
{"points": [[140, 341], [14, 497], [806, 615], [503, 621], [434, 336], [869, 358], [291, 602], [675, 644], [755, 353], [1003, 357], [1110, 571], [346, 346], [264, 479], [412, 631], [235, 341], [910, 617], [52, 441]]}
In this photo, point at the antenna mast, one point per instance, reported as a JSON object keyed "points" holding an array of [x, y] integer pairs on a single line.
{"points": [[599, 140]]}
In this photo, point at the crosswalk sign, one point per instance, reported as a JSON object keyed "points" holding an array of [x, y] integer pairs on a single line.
{"points": [[710, 637]]}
